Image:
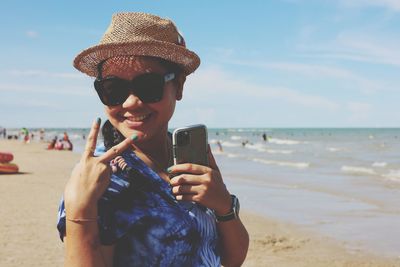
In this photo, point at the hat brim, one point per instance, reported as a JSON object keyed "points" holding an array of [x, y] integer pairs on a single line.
{"points": [[88, 59]]}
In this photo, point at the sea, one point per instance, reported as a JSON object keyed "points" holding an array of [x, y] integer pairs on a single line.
{"points": [[340, 183]]}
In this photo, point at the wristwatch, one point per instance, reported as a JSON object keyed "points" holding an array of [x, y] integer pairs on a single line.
{"points": [[232, 214]]}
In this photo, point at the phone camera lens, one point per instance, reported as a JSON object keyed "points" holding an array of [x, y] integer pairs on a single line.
{"points": [[183, 138]]}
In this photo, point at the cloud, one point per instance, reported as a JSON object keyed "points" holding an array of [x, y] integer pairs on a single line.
{"points": [[214, 80], [357, 47], [46, 89], [389, 4], [42, 73], [359, 112], [31, 103], [319, 71], [32, 34]]}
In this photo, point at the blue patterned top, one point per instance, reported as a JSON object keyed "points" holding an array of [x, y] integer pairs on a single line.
{"points": [[149, 227]]}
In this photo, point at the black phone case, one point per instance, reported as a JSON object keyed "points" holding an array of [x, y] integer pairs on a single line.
{"points": [[194, 152]]}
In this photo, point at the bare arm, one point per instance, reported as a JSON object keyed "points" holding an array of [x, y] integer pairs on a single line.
{"points": [[88, 181], [234, 242], [86, 251]]}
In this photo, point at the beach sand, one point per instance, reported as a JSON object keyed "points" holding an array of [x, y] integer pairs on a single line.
{"points": [[28, 212]]}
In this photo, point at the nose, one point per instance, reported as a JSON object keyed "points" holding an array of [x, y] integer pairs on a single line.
{"points": [[132, 101]]}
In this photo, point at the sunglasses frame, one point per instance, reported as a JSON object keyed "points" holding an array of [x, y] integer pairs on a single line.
{"points": [[98, 85]]}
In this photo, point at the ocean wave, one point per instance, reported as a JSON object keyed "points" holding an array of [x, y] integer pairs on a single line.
{"points": [[236, 137], [334, 149], [258, 146], [393, 175], [379, 164], [298, 165], [285, 141], [358, 170], [276, 151], [230, 144]]}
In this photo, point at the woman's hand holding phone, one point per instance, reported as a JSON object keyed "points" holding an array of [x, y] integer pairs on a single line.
{"points": [[91, 176], [201, 184]]}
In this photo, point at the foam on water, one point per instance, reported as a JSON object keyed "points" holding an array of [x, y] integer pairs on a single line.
{"points": [[379, 164], [393, 175], [275, 151], [334, 149], [298, 165], [236, 137], [284, 141], [230, 144], [357, 170]]}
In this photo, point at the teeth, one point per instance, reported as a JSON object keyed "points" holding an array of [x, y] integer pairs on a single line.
{"points": [[138, 118]]}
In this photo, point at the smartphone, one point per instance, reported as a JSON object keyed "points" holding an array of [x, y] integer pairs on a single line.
{"points": [[190, 145]]}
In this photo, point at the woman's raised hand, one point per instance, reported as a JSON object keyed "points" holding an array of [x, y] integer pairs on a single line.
{"points": [[91, 176], [201, 184]]}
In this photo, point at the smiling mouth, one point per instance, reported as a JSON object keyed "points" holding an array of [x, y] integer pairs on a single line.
{"points": [[137, 118]]}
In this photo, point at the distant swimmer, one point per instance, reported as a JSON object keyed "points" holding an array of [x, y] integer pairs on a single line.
{"points": [[244, 143], [220, 146], [265, 137]]}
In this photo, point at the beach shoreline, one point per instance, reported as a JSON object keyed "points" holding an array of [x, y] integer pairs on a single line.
{"points": [[29, 202]]}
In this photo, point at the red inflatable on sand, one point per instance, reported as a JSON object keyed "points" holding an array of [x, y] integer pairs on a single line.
{"points": [[8, 168], [6, 157]]}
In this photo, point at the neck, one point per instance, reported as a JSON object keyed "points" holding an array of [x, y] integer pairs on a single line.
{"points": [[158, 149]]}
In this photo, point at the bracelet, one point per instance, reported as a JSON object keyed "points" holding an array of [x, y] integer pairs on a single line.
{"points": [[78, 220]]}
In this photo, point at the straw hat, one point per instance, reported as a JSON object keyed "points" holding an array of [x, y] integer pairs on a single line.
{"points": [[138, 34]]}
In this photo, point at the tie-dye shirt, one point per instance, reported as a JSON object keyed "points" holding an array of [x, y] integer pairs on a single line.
{"points": [[149, 227]]}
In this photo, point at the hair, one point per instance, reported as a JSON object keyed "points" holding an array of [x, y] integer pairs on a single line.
{"points": [[111, 135]]}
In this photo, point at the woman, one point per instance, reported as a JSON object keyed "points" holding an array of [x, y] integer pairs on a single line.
{"points": [[120, 207]]}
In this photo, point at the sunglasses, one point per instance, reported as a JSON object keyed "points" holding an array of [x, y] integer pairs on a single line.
{"points": [[149, 88]]}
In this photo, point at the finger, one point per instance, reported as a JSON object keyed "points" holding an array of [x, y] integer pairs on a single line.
{"points": [[114, 168], [188, 168], [92, 139], [185, 189], [186, 179], [117, 149], [187, 197], [211, 159]]}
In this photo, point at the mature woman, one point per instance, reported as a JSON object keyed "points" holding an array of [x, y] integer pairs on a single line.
{"points": [[120, 206]]}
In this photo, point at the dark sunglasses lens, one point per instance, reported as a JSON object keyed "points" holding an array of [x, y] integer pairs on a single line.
{"points": [[149, 87], [114, 91]]}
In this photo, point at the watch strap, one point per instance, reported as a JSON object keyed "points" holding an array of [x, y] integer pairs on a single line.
{"points": [[232, 214]]}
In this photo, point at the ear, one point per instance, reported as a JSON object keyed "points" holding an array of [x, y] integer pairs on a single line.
{"points": [[180, 81]]}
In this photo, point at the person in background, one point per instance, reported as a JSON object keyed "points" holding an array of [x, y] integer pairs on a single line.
{"points": [[41, 134], [147, 212], [264, 136], [3, 132], [220, 149], [67, 145], [65, 137], [52, 143], [59, 145], [25, 135]]}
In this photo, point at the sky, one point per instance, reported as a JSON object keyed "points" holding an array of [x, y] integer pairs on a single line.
{"points": [[267, 63]]}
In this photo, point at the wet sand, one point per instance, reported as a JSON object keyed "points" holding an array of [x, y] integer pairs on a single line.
{"points": [[28, 212]]}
